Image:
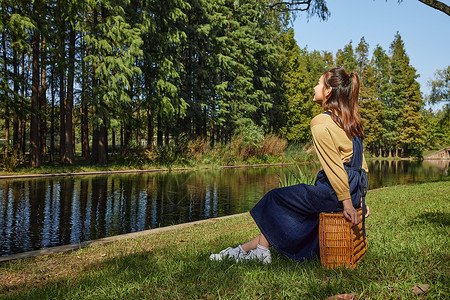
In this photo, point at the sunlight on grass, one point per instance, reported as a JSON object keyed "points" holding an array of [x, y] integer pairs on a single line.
{"points": [[408, 236]]}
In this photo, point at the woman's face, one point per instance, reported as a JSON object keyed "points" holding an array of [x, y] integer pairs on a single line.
{"points": [[320, 92]]}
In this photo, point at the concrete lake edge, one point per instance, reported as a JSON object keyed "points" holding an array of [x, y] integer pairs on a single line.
{"points": [[85, 244]]}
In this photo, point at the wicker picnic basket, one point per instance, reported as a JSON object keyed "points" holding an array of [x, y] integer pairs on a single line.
{"points": [[340, 244]]}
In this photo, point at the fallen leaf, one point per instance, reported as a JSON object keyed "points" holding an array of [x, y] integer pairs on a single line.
{"points": [[350, 296], [420, 288]]}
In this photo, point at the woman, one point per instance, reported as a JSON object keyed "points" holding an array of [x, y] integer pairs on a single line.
{"points": [[289, 217]]}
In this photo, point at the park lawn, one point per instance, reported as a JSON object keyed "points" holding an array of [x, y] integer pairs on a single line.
{"points": [[409, 244]]}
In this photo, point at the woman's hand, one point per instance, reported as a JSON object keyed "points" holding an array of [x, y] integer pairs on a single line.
{"points": [[350, 213], [367, 211], [367, 208]]}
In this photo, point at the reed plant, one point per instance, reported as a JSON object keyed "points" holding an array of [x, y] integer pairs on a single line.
{"points": [[408, 244], [292, 178]]}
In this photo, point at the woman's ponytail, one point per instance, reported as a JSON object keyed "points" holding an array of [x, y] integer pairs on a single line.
{"points": [[354, 91], [343, 100]]}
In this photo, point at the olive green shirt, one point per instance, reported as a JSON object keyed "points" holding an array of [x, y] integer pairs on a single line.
{"points": [[333, 148]]}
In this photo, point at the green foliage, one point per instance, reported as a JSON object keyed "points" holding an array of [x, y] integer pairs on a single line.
{"points": [[440, 86], [250, 134], [346, 58], [292, 178], [115, 46], [440, 93], [11, 162], [197, 70], [301, 72], [405, 106]]}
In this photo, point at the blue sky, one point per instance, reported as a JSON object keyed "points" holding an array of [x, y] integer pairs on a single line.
{"points": [[425, 31]]}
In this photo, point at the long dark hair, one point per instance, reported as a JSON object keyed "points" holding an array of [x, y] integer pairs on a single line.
{"points": [[343, 100]]}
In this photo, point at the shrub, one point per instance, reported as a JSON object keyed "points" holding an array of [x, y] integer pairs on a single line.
{"points": [[11, 162], [272, 145], [197, 148]]}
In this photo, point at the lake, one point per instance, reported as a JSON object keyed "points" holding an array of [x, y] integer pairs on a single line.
{"points": [[52, 211]]}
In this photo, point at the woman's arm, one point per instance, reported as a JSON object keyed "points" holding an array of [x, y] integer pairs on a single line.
{"points": [[330, 158]]}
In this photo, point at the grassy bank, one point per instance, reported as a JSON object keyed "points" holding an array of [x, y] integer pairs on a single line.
{"points": [[409, 242], [196, 156]]}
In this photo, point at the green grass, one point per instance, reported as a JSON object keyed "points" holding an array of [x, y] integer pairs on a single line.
{"points": [[408, 236]]}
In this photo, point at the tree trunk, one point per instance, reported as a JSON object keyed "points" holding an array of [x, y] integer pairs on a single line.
{"points": [[95, 97], [6, 99], [95, 138], [62, 108], [149, 129], [43, 102], [205, 123], [68, 156], [84, 110], [73, 133], [52, 119], [24, 96], [159, 132], [126, 136], [121, 138], [62, 78], [211, 135], [113, 142], [84, 129], [138, 118], [17, 122], [35, 154], [167, 136], [103, 144]]}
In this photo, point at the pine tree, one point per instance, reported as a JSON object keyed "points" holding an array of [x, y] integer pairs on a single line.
{"points": [[346, 58], [362, 60], [371, 108], [114, 49], [162, 66], [303, 71], [35, 146], [440, 93], [405, 102]]}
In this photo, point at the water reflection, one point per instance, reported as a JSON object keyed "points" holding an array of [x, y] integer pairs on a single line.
{"points": [[393, 172], [41, 213]]}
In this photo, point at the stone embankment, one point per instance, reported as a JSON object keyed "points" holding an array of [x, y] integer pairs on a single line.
{"points": [[441, 154]]}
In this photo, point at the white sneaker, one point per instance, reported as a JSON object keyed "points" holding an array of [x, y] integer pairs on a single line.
{"points": [[228, 253], [263, 256]]}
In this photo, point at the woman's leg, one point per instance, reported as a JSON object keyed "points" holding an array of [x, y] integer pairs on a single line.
{"points": [[259, 244], [252, 244]]}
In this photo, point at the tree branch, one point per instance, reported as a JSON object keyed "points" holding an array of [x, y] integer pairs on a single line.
{"points": [[292, 5], [437, 5]]}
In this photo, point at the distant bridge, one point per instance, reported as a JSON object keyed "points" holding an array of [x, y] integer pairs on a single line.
{"points": [[441, 154]]}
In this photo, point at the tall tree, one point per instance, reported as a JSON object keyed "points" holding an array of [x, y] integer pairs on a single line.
{"points": [[346, 58], [362, 59], [114, 49], [373, 99], [301, 74], [60, 24], [162, 65], [35, 149], [405, 102], [440, 92], [67, 151]]}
